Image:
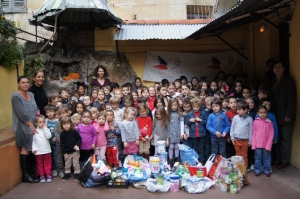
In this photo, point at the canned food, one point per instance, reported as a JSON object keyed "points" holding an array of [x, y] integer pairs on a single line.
{"points": [[200, 173], [233, 188]]}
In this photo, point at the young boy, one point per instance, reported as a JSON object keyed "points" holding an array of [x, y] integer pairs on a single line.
{"points": [[241, 131], [64, 96], [106, 90], [125, 90], [177, 83], [62, 112], [218, 125], [225, 103], [196, 121], [232, 104], [51, 122], [53, 98], [208, 111], [187, 108], [118, 93], [112, 139]]}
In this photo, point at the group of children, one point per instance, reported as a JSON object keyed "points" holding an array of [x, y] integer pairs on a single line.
{"points": [[117, 121]]}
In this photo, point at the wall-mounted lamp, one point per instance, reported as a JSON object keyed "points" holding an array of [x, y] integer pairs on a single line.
{"points": [[134, 16], [262, 28]]}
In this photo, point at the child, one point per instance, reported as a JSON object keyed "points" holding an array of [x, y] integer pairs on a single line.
{"points": [[151, 98], [70, 141], [225, 103], [58, 104], [79, 108], [62, 112], [100, 99], [241, 131], [246, 92], [94, 94], [112, 139], [75, 97], [128, 101], [203, 94], [145, 92], [118, 112], [53, 98], [236, 90], [87, 102], [187, 108], [163, 93], [125, 90], [185, 90], [76, 118], [145, 126], [202, 85], [94, 116], [157, 103], [41, 149], [208, 111], [177, 83], [251, 112], [101, 143], [196, 121], [51, 122], [106, 90], [194, 82], [160, 128], [130, 132], [232, 104], [135, 99], [81, 91], [176, 125], [171, 90], [88, 135], [262, 139], [118, 94], [218, 125], [64, 96], [137, 83], [213, 88]]}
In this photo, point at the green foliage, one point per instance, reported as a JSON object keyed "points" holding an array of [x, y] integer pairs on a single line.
{"points": [[11, 53], [32, 63]]}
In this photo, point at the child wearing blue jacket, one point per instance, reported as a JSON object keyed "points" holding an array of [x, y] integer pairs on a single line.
{"points": [[218, 125], [196, 121]]}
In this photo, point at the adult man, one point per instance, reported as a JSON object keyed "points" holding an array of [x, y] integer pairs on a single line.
{"points": [[284, 92]]}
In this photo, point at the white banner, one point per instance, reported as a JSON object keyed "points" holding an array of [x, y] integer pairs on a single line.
{"points": [[169, 65]]}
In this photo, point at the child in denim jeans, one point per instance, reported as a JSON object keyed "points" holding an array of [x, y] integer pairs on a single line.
{"points": [[218, 125]]}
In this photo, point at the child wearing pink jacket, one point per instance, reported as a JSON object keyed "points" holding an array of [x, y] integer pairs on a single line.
{"points": [[262, 140], [101, 143]]}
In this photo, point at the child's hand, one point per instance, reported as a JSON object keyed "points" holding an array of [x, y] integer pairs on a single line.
{"points": [[54, 139], [181, 136], [76, 148], [187, 135], [125, 144], [233, 141], [198, 119], [93, 146], [45, 126], [65, 155], [228, 140], [218, 134], [167, 143], [34, 152], [224, 134], [111, 127], [137, 142], [192, 120]]}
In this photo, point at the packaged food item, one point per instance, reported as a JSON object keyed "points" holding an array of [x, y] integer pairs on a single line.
{"points": [[174, 179]]}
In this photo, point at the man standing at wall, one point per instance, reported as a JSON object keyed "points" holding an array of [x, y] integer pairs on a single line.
{"points": [[284, 92]]}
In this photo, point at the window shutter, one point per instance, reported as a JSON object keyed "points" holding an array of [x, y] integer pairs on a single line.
{"points": [[19, 5], [6, 6]]}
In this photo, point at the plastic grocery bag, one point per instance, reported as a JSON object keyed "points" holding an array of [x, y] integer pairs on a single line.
{"points": [[188, 154], [90, 178], [210, 162], [213, 169], [198, 185], [152, 186]]}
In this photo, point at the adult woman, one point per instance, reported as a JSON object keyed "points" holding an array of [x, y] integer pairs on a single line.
{"points": [[100, 73], [24, 112], [40, 95]]}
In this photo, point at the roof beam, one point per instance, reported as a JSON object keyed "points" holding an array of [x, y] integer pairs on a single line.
{"points": [[233, 48]]}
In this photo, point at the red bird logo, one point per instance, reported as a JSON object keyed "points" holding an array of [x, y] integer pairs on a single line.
{"points": [[216, 64], [163, 64]]}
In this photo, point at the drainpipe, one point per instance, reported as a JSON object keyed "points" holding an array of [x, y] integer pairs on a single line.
{"points": [[251, 46]]}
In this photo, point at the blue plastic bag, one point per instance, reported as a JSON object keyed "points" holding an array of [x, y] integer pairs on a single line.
{"points": [[188, 154]]}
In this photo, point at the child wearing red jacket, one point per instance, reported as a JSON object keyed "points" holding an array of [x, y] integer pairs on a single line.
{"points": [[145, 125]]}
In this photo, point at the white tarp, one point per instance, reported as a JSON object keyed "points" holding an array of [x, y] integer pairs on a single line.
{"points": [[171, 65]]}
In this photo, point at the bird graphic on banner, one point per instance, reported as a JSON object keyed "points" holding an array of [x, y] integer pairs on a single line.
{"points": [[162, 63]]}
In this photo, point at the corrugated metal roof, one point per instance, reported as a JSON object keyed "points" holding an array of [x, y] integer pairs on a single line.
{"points": [[76, 13], [156, 31]]}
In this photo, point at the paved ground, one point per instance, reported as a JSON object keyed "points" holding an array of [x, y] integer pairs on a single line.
{"points": [[283, 184]]}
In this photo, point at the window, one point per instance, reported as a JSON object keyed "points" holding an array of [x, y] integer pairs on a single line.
{"points": [[11, 6], [199, 12]]}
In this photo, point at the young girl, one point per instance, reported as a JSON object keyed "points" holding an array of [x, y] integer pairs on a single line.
{"points": [[202, 85], [145, 92], [262, 140], [185, 90], [128, 101], [177, 83], [76, 118], [180, 102], [194, 83], [176, 127], [94, 94], [94, 117], [135, 98], [88, 135], [203, 94], [236, 90], [100, 99], [87, 102], [130, 132], [145, 126], [171, 90], [81, 91], [157, 103], [139, 92], [160, 129], [213, 88], [70, 141], [246, 92], [101, 143], [137, 83], [163, 93], [79, 108], [151, 98], [41, 149]]}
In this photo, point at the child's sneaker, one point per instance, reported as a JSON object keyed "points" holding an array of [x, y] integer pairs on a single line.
{"points": [[54, 173], [42, 180], [76, 175], [66, 177], [61, 174], [252, 167], [49, 179]]}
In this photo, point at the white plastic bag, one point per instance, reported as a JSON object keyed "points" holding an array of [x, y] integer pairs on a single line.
{"points": [[152, 186], [210, 162], [196, 185]]}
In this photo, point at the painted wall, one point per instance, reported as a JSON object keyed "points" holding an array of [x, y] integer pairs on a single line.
{"points": [[9, 81], [154, 9], [294, 72]]}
